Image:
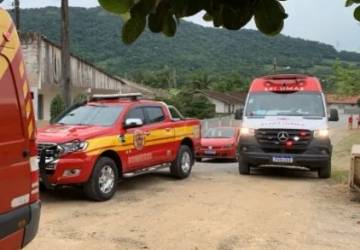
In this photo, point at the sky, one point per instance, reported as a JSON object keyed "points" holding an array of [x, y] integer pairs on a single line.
{"points": [[326, 21]]}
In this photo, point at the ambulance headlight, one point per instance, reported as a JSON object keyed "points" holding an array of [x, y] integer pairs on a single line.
{"points": [[321, 133], [72, 146], [247, 131]]}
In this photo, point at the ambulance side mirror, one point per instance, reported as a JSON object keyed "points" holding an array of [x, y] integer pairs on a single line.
{"points": [[334, 115], [239, 114], [133, 123]]}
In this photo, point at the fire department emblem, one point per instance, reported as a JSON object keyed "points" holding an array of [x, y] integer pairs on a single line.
{"points": [[139, 140]]}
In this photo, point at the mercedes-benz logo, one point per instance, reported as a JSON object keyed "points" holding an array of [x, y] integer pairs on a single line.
{"points": [[283, 136]]}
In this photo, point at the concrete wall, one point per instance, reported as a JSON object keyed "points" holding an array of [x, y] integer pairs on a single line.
{"points": [[43, 67]]}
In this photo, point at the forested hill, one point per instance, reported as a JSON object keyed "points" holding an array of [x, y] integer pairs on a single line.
{"points": [[95, 37]]}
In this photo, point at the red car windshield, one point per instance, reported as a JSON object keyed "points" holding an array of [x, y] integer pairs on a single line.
{"points": [[220, 133]]}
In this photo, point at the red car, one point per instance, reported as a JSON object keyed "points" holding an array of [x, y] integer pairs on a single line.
{"points": [[219, 143]]}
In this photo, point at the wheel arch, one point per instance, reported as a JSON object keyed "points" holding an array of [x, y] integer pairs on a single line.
{"points": [[115, 157], [188, 142]]}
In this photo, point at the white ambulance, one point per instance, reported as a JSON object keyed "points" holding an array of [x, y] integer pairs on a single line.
{"points": [[285, 123]]}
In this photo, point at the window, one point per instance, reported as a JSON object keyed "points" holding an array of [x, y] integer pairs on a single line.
{"points": [[175, 114], [96, 115], [286, 104], [136, 113], [220, 133], [155, 114]]}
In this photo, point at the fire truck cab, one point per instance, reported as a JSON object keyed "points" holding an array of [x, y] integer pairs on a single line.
{"points": [[285, 123], [19, 181]]}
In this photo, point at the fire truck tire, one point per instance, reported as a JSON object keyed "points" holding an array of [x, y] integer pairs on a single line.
{"points": [[181, 167], [325, 173], [103, 181], [244, 167]]}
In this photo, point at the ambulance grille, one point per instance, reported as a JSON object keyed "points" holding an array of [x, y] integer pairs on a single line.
{"points": [[270, 142]]}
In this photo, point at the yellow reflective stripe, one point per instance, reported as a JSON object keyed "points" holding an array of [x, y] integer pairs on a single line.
{"points": [[30, 129], [21, 69], [5, 22], [28, 108], [160, 136], [10, 53], [25, 89]]}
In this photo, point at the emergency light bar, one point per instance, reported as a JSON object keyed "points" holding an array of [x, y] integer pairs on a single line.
{"points": [[131, 96]]}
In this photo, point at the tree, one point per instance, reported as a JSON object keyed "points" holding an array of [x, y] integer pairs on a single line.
{"points": [[161, 15], [57, 106], [65, 54], [190, 105], [346, 79]]}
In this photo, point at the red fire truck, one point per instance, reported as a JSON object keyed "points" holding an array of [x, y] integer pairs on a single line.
{"points": [[96, 143], [19, 181]]}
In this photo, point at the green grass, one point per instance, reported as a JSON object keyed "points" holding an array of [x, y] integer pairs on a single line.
{"points": [[342, 156]]}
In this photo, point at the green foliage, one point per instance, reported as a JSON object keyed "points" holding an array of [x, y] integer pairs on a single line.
{"points": [[233, 15], [191, 105], [79, 98], [346, 78], [57, 106], [357, 9]]}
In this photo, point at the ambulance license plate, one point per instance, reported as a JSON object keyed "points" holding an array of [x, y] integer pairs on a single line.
{"points": [[283, 159]]}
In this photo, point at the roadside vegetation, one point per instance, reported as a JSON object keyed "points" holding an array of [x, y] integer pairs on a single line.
{"points": [[342, 156]]}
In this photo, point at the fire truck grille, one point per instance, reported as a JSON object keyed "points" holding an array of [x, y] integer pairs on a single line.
{"points": [[283, 140], [51, 154]]}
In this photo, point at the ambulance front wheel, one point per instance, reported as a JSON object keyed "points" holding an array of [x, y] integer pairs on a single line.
{"points": [[103, 181], [244, 167]]}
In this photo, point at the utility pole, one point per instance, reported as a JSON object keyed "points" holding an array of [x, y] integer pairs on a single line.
{"points": [[65, 54], [275, 64], [17, 13]]}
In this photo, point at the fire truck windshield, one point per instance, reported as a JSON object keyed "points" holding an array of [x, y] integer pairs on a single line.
{"points": [[285, 104], [99, 115]]}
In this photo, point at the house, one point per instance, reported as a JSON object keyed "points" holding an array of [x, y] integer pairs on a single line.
{"points": [[225, 103], [344, 104], [43, 65]]}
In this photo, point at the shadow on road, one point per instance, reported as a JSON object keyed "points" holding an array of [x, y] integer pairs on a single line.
{"points": [[284, 173], [126, 185]]}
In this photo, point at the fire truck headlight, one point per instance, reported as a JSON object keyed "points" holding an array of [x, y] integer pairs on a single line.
{"points": [[321, 133], [72, 146]]}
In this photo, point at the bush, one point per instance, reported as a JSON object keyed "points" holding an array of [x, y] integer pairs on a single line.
{"points": [[79, 98], [57, 106]]}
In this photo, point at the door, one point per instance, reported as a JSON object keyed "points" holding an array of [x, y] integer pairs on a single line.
{"points": [[139, 156], [14, 160], [160, 133]]}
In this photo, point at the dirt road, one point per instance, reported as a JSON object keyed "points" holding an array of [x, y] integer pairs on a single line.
{"points": [[215, 208]]}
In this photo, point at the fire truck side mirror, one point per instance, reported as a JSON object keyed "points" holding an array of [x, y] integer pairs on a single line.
{"points": [[239, 114], [334, 115], [133, 123]]}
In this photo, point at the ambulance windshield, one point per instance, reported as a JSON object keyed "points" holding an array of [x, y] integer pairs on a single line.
{"points": [[285, 104], [96, 115]]}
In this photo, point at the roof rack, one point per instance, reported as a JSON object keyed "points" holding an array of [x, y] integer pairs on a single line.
{"points": [[131, 96]]}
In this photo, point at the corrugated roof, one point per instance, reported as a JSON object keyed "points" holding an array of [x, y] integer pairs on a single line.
{"points": [[233, 97], [336, 99]]}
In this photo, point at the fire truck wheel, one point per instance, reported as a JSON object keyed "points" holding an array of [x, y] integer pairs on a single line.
{"points": [[325, 173], [181, 167], [244, 167], [103, 181]]}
